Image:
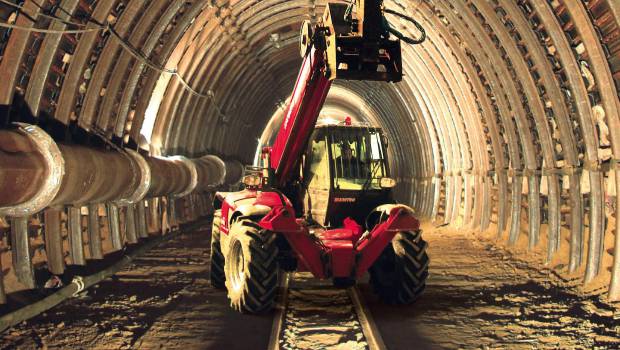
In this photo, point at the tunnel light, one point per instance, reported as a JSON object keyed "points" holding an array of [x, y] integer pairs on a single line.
{"points": [[387, 182]]}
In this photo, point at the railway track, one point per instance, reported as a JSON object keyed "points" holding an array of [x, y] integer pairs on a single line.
{"points": [[312, 314]]}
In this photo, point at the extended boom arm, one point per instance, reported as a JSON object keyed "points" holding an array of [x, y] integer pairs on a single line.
{"points": [[301, 115], [345, 44]]}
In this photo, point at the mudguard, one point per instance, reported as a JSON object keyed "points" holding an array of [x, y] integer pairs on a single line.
{"points": [[250, 211], [371, 245], [382, 212]]}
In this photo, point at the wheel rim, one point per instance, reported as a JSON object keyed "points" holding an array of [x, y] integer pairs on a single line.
{"points": [[238, 266]]}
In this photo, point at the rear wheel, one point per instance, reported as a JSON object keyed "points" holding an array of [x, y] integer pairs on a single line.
{"points": [[217, 276], [251, 267], [399, 274]]}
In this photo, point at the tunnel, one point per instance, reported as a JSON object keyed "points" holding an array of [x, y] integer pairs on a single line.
{"points": [[122, 118]]}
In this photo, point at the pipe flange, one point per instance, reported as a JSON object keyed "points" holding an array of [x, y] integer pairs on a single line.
{"points": [[145, 179], [55, 165], [222, 166], [193, 174]]}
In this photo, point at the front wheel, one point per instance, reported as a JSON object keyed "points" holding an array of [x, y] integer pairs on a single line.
{"points": [[216, 274], [399, 275], [251, 267]]}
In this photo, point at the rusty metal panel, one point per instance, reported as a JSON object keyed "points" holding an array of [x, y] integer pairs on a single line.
{"points": [[141, 226], [97, 84], [20, 249], [76, 240], [117, 72], [54, 241], [77, 73], [130, 224], [42, 66], [14, 53], [94, 232], [115, 226], [192, 15]]}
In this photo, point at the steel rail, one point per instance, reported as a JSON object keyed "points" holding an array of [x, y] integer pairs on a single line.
{"points": [[280, 313], [370, 331]]}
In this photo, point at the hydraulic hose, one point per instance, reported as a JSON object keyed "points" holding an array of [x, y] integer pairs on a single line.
{"points": [[400, 35]]}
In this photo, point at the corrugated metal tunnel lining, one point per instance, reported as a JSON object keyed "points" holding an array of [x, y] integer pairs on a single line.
{"points": [[506, 121]]}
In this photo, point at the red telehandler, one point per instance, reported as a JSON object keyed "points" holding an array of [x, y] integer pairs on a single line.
{"points": [[322, 200]]}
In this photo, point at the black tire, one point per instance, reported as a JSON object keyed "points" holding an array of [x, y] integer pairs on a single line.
{"points": [[217, 275], [251, 267], [399, 274]]}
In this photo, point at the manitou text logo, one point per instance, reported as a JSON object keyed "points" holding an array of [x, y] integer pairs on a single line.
{"points": [[344, 200]]}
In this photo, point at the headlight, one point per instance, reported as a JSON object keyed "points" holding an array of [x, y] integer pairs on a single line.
{"points": [[251, 180], [387, 182]]}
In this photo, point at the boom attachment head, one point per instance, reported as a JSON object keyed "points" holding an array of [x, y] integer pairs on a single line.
{"points": [[356, 42]]}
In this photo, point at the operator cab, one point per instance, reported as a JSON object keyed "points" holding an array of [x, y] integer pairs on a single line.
{"points": [[345, 173]]}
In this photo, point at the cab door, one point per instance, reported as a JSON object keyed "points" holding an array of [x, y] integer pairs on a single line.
{"points": [[317, 178]]}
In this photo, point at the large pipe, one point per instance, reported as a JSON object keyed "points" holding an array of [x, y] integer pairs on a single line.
{"points": [[36, 173], [93, 176], [234, 172], [212, 168], [31, 169], [171, 176]]}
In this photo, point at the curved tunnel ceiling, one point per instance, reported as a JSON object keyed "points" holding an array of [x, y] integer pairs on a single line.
{"points": [[507, 120]]}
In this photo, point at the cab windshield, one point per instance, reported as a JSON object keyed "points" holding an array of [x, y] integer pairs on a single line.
{"points": [[357, 159]]}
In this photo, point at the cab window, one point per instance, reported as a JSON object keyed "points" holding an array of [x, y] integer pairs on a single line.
{"points": [[357, 159]]}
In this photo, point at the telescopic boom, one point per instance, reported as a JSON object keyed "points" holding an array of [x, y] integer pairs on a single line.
{"points": [[349, 42]]}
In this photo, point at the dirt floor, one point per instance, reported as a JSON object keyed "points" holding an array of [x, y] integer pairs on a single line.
{"points": [[164, 301], [477, 297]]}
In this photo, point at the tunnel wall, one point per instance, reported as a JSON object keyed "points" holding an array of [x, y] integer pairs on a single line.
{"points": [[506, 122]]}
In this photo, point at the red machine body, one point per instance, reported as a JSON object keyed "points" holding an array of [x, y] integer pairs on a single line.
{"points": [[342, 252], [301, 115]]}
